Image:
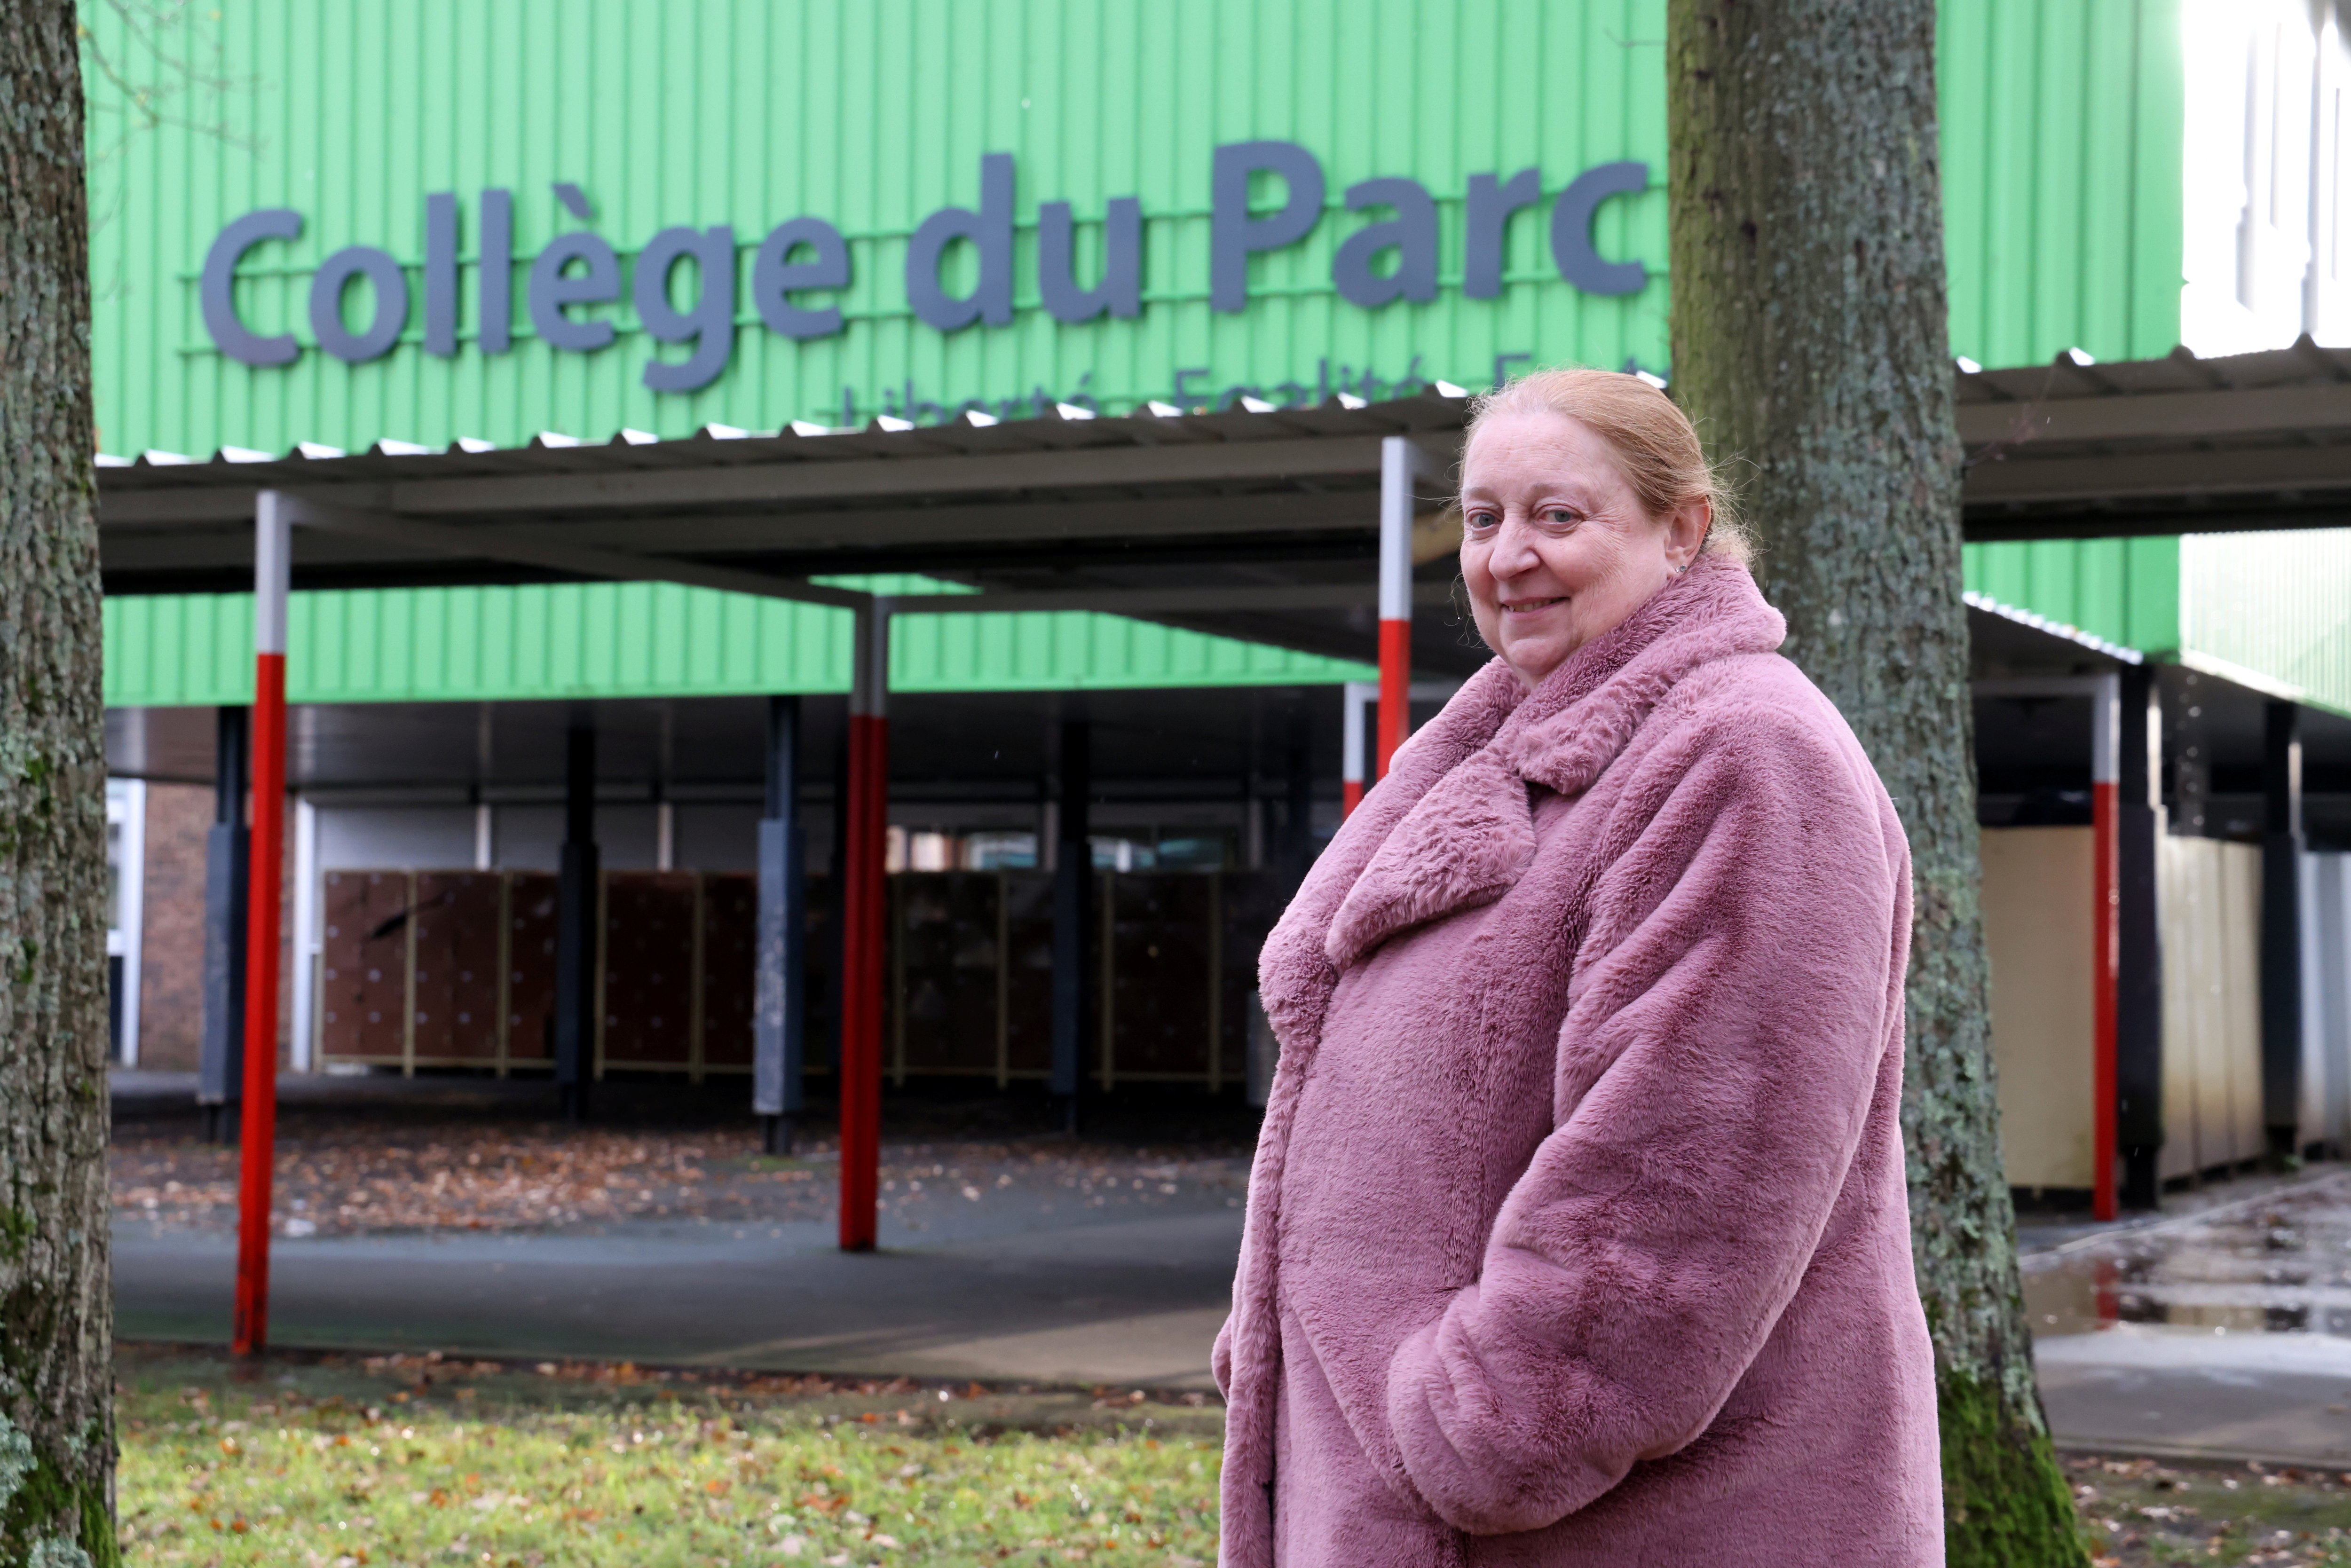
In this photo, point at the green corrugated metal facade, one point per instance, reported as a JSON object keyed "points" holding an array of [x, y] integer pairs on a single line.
{"points": [[2265, 609], [2062, 166], [2061, 154], [643, 640], [2124, 591], [2276, 604]]}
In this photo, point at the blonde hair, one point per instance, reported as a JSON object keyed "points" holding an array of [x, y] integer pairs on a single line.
{"points": [[1654, 442]]}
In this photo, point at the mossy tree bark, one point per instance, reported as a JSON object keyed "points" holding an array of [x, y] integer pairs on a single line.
{"points": [[57, 1432], [1810, 344]]}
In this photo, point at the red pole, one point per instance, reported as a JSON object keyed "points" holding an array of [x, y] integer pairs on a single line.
{"points": [[2105, 939], [1398, 463], [257, 1131], [1352, 695], [864, 931], [1395, 693]]}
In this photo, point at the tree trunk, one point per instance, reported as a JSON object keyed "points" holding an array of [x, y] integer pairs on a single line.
{"points": [[56, 1312], [1810, 345]]}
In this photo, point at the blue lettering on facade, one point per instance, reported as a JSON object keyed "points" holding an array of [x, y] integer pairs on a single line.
{"points": [[1266, 196]]}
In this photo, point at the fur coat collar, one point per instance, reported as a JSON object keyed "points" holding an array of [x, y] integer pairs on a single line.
{"points": [[1452, 826]]}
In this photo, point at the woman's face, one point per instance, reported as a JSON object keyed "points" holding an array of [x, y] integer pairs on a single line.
{"points": [[1555, 546]]}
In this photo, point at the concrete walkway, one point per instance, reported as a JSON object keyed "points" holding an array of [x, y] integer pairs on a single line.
{"points": [[1132, 1302], [2221, 1329]]}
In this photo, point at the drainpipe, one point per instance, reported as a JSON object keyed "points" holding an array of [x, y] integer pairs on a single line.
{"points": [[2281, 848], [779, 1048], [2139, 992]]}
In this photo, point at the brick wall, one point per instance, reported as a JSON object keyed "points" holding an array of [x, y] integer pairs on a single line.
{"points": [[171, 953], [172, 962]]}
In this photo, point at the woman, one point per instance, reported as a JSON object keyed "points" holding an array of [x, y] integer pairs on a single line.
{"points": [[1578, 1231]]}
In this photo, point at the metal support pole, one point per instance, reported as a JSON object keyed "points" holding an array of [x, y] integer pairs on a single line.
{"points": [[301, 946], [575, 920], [2281, 848], [1073, 877], [2138, 992], [1298, 831], [258, 1133], [2106, 1093], [2105, 747], [229, 855], [863, 928], [1353, 697], [1399, 465], [778, 1093]]}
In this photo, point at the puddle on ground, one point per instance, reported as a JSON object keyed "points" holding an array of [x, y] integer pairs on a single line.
{"points": [[2282, 1266]]}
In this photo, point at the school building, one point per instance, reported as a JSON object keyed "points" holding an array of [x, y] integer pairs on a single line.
{"points": [[850, 546]]}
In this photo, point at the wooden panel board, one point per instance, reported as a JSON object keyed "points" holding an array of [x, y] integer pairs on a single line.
{"points": [[2240, 923], [648, 968], [2209, 895], [730, 930], [457, 917], [531, 966], [2326, 999], [363, 966], [824, 1014], [1160, 931], [2038, 909], [1251, 902], [946, 961], [1028, 1000]]}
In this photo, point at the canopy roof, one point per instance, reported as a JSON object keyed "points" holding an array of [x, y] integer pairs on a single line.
{"points": [[2175, 445], [1256, 522]]}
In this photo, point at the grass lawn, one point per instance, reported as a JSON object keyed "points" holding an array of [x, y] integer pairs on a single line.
{"points": [[340, 1462], [2142, 1512], [337, 1462]]}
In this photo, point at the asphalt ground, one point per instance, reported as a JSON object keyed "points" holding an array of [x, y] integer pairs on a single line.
{"points": [[455, 1216]]}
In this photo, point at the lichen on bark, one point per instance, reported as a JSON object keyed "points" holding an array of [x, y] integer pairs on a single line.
{"points": [[57, 1437], [1810, 344]]}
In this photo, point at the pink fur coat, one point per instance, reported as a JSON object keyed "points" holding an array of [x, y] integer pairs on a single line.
{"points": [[1577, 1232]]}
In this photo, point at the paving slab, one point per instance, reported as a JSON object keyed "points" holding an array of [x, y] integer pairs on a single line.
{"points": [[2281, 1398], [2220, 1329], [1132, 1302]]}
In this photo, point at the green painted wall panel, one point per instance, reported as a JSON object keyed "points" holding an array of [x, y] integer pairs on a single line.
{"points": [[2062, 167], [643, 640], [2060, 148], [2124, 590], [2273, 604]]}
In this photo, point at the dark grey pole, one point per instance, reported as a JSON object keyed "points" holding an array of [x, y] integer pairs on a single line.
{"points": [[220, 1062], [2138, 995], [2281, 925], [2191, 755], [780, 1040], [1074, 873], [575, 921], [1298, 826]]}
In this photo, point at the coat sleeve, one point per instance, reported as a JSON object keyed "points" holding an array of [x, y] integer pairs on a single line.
{"points": [[1726, 1023]]}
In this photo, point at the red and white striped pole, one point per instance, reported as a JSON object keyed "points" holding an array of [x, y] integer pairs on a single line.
{"points": [[863, 927], [1353, 698], [257, 1127], [2106, 773], [1399, 462]]}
